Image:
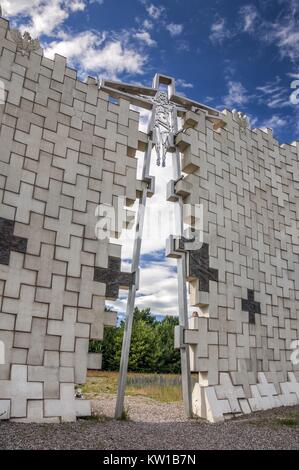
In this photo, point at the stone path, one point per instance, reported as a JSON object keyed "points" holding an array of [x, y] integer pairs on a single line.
{"points": [[153, 426]]}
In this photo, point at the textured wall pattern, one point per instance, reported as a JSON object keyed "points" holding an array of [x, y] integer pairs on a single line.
{"points": [[64, 148], [245, 278]]}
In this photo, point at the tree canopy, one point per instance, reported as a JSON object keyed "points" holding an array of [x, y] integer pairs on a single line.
{"points": [[152, 348]]}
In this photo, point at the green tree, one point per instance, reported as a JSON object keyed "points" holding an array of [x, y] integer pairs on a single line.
{"points": [[142, 353], [167, 358], [144, 315], [152, 348]]}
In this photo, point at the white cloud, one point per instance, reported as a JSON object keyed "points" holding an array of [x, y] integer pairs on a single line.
{"points": [[158, 289], [219, 31], [47, 18], [144, 117], [174, 29], [145, 37], [73, 47], [270, 87], [283, 32], [183, 84], [273, 94], [182, 45], [275, 122], [114, 58], [287, 38], [43, 17], [91, 52], [158, 281], [88, 50], [78, 5], [16, 7], [237, 95], [147, 24], [248, 15], [155, 11]]}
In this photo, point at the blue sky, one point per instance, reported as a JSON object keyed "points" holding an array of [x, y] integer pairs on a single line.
{"points": [[235, 54], [228, 53]]}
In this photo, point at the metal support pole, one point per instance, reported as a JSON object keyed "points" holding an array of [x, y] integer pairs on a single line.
{"points": [[163, 119], [182, 290], [123, 371], [183, 320]]}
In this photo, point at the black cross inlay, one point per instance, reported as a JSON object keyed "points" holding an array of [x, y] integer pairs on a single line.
{"points": [[199, 267], [9, 242], [251, 306], [113, 277]]}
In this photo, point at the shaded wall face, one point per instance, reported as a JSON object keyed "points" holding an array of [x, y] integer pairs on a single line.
{"points": [[64, 149], [245, 278]]}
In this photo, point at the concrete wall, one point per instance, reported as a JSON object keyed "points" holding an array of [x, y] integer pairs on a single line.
{"points": [[64, 149], [245, 278]]}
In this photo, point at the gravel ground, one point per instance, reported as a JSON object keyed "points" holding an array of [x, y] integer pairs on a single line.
{"points": [[156, 426]]}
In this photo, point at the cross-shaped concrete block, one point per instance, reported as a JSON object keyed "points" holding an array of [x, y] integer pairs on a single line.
{"points": [[64, 227], [9, 242], [56, 297], [37, 342], [45, 265], [67, 408], [226, 390], [251, 306], [25, 202], [25, 307], [199, 268], [15, 275], [113, 277], [35, 233], [19, 390], [97, 317], [50, 378], [68, 329]]}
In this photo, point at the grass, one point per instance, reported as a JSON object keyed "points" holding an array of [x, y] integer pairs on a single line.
{"points": [[165, 388], [96, 418], [290, 422], [286, 417], [125, 416]]}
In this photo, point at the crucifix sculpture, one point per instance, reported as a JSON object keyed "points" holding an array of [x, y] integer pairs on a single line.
{"points": [[166, 107]]}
